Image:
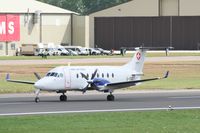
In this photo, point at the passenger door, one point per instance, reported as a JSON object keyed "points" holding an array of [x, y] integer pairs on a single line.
{"points": [[67, 79]]}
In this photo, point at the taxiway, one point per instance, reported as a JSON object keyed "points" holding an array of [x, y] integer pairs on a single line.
{"points": [[96, 102]]}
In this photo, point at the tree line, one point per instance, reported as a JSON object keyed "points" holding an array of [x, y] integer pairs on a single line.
{"points": [[84, 7]]}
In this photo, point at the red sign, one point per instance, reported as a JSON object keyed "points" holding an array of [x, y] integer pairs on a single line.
{"points": [[9, 27], [138, 55], [2, 27]]}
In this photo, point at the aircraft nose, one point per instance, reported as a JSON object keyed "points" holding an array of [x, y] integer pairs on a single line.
{"points": [[39, 85]]}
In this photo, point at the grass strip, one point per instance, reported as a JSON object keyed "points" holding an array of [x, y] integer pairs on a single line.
{"points": [[184, 121]]}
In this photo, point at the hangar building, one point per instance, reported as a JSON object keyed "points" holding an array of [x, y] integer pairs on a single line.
{"points": [[149, 22], [28, 22]]}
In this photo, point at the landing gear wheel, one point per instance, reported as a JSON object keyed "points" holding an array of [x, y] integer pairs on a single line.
{"points": [[37, 99], [110, 98], [63, 98]]}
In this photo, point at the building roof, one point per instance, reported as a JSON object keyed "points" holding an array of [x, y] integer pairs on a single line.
{"points": [[23, 6], [111, 6]]}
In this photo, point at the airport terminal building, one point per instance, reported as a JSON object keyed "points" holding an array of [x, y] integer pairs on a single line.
{"points": [[138, 22]]}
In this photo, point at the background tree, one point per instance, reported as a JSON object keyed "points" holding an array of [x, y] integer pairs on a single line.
{"points": [[84, 6]]}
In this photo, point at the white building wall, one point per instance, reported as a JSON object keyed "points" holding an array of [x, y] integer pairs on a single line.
{"points": [[189, 7], [56, 28], [169, 7], [29, 32], [79, 34]]}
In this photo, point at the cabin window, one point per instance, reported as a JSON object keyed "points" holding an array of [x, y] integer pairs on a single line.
{"points": [[107, 75], [77, 75], [113, 75], [87, 75], [102, 75], [97, 75], [61, 75]]}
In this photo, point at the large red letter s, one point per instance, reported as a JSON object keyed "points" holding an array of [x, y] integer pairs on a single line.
{"points": [[13, 27]]}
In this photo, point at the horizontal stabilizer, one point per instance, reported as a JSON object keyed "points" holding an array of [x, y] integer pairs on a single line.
{"points": [[148, 48]]}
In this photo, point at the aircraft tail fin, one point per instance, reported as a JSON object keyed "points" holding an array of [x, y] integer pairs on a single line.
{"points": [[137, 62]]}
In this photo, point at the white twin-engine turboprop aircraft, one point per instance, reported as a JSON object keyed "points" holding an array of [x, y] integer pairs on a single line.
{"points": [[101, 78]]}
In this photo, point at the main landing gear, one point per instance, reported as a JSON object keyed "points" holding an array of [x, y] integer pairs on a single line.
{"points": [[37, 99], [63, 97], [110, 97]]}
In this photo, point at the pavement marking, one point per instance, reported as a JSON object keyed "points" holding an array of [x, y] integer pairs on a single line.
{"points": [[186, 97], [13, 103], [95, 111]]}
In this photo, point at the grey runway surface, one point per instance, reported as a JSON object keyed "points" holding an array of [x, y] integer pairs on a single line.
{"points": [[96, 102]]}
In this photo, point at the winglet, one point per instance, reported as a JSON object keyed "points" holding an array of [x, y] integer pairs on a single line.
{"points": [[7, 76], [166, 75]]}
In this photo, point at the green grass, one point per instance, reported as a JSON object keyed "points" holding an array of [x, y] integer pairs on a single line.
{"points": [[8, 87], [183, 75], [82, 57], [185, 121]]}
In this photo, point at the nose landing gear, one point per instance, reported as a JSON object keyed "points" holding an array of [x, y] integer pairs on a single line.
{"points": [[37, 92]]}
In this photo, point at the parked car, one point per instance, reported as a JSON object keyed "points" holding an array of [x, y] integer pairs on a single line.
{"points": [[71, 52], [78, 49], [38, 51], [63, 51], [103, 52], [93, 51]]}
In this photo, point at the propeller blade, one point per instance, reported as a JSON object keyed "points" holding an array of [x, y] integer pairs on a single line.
{"points": [[7, 76], [90, 82], [37, 75], [85, 89], [84, 76], [166, 75], [94, 74]]}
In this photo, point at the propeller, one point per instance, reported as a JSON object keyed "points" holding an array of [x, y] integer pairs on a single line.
{"points": [[37, 75], [89, 81]]}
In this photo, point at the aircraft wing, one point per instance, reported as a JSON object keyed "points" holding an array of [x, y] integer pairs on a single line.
{"points": [[18, 81], [120, 85]]}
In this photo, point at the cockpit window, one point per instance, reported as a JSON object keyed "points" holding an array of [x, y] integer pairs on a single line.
{"points": [[48, 74], [54, 74]]}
